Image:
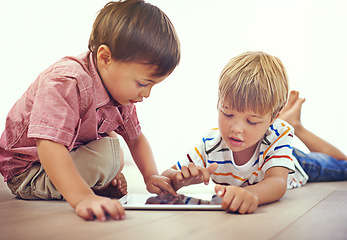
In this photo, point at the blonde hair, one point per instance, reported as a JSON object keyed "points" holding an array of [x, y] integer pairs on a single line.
{"points": [[254, 81], [136, 31]]}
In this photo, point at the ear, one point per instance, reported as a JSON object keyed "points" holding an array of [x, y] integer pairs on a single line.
{"points": [[104, 55]]}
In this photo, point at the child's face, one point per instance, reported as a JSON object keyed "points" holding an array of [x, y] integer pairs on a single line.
{"points": [[242, 130], [129, 82]]}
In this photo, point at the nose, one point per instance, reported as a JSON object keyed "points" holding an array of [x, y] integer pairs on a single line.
{"points": [[146, 93], [237, 127]]}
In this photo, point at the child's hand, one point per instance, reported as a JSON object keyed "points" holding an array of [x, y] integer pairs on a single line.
{"points": [[195, 174], [97, 206], [160, 184], [237, 199]]}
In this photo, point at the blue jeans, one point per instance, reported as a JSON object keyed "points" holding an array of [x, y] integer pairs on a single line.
{"points": [[321, 167]]}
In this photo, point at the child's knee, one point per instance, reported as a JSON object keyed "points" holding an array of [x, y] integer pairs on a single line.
{"points": [[34, 184], [99, 161]]}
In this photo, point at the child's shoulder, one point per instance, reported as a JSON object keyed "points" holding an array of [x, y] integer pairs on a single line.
{"points": [[281, 124], [212, 133], [279, 129], [212, 137], [70, 67]]}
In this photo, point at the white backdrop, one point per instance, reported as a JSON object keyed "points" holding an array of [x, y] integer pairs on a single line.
{"points": [[308, 36]]}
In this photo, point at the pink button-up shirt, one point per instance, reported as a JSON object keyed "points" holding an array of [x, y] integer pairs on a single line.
{"points": [[67, 104]]}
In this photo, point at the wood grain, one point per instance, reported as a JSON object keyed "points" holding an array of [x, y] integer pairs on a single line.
{"points": [[315, 211]]}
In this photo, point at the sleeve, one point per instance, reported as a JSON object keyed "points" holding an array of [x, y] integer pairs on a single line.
{"points": [[131, 128], [279, 153], [55, 113], [197, 155]]}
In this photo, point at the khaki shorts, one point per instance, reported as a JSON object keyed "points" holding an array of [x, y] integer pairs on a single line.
{"points": [[98, 163]]}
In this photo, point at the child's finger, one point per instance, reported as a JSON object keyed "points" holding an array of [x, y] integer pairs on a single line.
{"points": [[244, 207], [212, 168], [162, 187], [228, 199], [207, 172], [179, 177], [84, 213], [205, 175], [194, 171], [99, 213], [185, 172], [167, 187], [236, 203], [115, 210], [220, 190]]}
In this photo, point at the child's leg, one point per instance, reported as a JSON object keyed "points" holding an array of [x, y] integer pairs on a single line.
{"points": [[99, 163], [291, 114], [34, 184], [321, 167]]}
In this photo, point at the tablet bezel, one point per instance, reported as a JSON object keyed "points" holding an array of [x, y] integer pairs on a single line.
{"points": [[142, 197]]}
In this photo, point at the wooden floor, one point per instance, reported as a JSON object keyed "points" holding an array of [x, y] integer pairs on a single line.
{"points": [[315, 211]]}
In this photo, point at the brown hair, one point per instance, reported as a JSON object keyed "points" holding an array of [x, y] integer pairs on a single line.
{"points": [[136, 31], [254, 81]]}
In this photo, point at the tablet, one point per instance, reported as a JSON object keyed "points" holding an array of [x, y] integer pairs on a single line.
{"points": [[149, 201]]}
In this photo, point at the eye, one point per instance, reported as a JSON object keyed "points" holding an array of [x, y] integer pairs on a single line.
{"points": [[142, 85], [227, 115], [252, 123]]}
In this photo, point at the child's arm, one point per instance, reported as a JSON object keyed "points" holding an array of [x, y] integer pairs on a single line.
{"points": [[189, 175], [143, 157], [63, 173], [247, 199]]}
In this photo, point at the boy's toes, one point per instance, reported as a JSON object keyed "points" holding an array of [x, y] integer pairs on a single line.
{"points": [[293, 96], [110, 191], [117, 189]]}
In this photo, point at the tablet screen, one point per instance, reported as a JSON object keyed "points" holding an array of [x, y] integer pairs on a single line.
{"points": [[167, 202]]}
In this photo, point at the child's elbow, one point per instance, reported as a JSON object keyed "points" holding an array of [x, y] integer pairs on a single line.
{"points": [[282, 188]]}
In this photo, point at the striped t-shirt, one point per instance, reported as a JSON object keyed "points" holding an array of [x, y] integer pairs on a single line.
{"points": [[274, 150]]}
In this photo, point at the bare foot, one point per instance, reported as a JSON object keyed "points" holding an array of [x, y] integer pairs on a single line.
{"points": [[121, 183], [117, 188], [292, 111]]}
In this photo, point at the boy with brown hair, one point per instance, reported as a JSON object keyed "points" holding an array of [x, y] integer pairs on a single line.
{"points": [[61, 137]]}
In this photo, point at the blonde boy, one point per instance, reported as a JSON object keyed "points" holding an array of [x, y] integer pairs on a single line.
{"points": [[249, 156]]}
